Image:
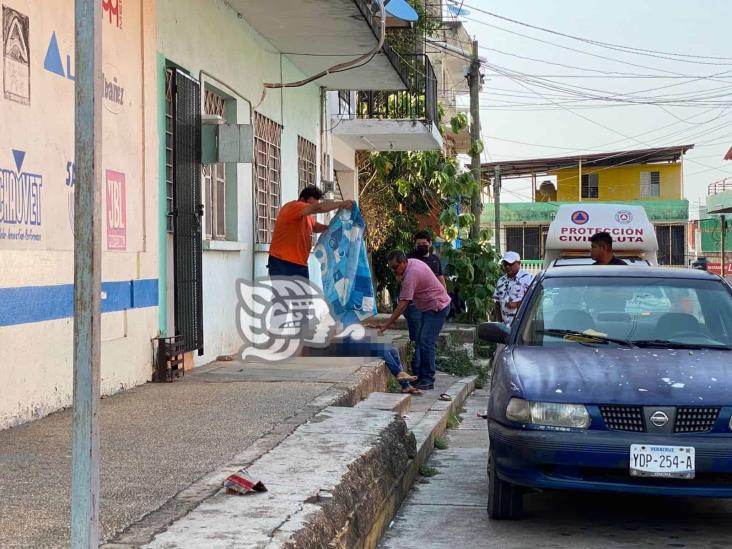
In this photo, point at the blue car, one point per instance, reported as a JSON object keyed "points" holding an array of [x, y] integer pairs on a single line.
{"points": [[597, 388]]}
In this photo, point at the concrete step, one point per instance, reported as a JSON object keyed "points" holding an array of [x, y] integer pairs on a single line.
{"points": [[326, 484], [388, 402], [336, 481]]}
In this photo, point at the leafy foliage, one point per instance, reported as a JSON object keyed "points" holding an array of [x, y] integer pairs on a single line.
{"points": [[472, 271], [458, 363], [459, 122]]}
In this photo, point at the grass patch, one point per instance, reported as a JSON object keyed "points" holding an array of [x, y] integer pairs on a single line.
{"points": [[484, 350], [427, 471], [454, 421], [393, 386], [441, 443], [482, 379], [458, 363]]}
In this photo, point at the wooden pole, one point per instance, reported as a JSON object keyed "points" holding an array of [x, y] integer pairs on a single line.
{"points": [[87, 275], [476, 205]]}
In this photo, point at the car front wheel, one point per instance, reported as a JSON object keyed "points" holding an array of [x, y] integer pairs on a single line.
{"points": [[505, 501]]}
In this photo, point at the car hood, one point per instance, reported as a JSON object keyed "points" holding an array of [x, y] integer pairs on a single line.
{"points": [[594, 375]]}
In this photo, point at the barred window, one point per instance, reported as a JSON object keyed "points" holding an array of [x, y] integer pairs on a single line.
{"points": [[306, 162], [214, 179], [590, 185], [169, 147], [267, 162], [650, 184], [528, 241]]}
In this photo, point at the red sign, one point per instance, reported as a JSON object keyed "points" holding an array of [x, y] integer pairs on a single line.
{"points": [[116, 211], [714, 267]]}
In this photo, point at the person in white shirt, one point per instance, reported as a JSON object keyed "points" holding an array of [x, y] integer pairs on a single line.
{"points": [[511, 288]]}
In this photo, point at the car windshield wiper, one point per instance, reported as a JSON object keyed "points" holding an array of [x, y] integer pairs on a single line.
{"points": [[678, 344], [593, 337]]}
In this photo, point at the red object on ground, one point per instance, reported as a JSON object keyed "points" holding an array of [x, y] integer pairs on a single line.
{"points": [[242, 483]]}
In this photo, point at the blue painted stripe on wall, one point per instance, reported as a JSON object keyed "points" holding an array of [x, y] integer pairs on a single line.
{"points": [[40, 303]]}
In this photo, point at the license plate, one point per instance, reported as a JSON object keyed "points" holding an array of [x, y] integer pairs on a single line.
{"points": [[662, 461]]}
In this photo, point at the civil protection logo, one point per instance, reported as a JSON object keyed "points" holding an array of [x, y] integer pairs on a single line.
{"points": [[278, 316], [624, 217], [580, 217]]}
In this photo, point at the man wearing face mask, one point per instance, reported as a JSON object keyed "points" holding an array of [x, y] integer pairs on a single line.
{"points": [[423, 252]]}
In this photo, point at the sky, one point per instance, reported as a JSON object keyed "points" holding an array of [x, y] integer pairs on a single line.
{"points": [[522, 117]]}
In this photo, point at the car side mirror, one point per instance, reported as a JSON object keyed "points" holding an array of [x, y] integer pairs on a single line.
{"points": [[493, 332]]}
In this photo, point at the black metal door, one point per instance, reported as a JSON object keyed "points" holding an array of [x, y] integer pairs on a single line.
{"points": [[188, 210], [663, 235]]}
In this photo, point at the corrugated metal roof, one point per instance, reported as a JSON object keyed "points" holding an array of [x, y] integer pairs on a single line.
{"points": [[527, 168]]}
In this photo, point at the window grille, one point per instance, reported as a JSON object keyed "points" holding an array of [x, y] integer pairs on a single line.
{"points": [[528, 241], [169, 147], [590, 185], [214, 178], [671, 244], [650, 184], [267, 161], [306, 162]]}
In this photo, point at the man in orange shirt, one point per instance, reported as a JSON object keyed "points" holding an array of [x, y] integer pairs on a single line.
{"points": [[293, 232]]}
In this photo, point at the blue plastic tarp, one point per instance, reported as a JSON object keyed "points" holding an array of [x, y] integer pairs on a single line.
{"points": [[344, 266]]}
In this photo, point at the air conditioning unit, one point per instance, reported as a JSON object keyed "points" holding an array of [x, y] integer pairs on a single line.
{"points": [[226, 143], [327, 186]]}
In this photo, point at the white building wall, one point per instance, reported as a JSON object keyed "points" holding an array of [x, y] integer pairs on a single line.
{"points": [[209, 36], [36, 201]]}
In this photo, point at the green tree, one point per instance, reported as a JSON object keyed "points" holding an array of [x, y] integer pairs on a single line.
{"points": [[398, 188]]}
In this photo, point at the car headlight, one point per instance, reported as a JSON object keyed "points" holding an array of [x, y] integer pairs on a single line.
{"points": [[550, 414]]}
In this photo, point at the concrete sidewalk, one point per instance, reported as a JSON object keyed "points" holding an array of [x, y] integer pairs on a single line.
{"points": [[158, 439]]}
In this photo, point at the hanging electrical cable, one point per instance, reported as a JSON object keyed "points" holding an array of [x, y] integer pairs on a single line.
{"points": [[348, 65]]}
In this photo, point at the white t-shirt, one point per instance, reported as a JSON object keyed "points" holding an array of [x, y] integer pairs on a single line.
{"points": [[513, 290]]}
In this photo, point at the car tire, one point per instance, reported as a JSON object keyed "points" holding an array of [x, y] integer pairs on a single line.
{"points": [[505, 501]]}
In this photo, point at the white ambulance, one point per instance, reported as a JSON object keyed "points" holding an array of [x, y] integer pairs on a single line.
{"points": [[568, 239]]}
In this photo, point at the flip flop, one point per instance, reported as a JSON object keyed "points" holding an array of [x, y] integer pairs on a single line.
{"points": [[411, 391], [445, 396], [404, 376]]}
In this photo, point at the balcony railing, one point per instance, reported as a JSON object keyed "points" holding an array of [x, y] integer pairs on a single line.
{"points": [[418, 102], [719, 186], [394, 37]]}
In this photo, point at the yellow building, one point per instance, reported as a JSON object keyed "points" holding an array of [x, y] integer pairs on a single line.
{"points": [[652, 178]]}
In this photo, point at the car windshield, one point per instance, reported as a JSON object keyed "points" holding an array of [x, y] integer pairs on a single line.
{"points": [[642, 312]]}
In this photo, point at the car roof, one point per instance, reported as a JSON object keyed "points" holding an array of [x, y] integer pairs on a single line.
{"points": [[623, 271]]}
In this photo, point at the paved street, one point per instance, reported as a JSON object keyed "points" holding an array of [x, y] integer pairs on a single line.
{"points": [[449, 510]]}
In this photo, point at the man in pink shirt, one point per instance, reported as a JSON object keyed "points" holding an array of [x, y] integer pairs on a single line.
{"points": [[421, 287]]}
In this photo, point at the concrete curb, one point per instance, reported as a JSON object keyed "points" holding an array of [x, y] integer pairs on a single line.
{"points": [[355, 509], [371, 377], [426, 429]]}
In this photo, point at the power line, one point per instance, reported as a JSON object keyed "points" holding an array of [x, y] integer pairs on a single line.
{"points": [[656, 69], [617, 47]]}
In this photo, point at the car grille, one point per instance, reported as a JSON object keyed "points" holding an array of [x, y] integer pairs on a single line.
{"points": [[689, 419], [695, 419], [623, 418]]}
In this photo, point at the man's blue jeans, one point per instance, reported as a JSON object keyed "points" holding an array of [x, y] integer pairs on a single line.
{"points": [[432, 322], [414, 324]]}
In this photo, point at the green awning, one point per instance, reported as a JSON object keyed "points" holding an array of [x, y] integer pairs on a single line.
{"points": [[658, 211]]}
